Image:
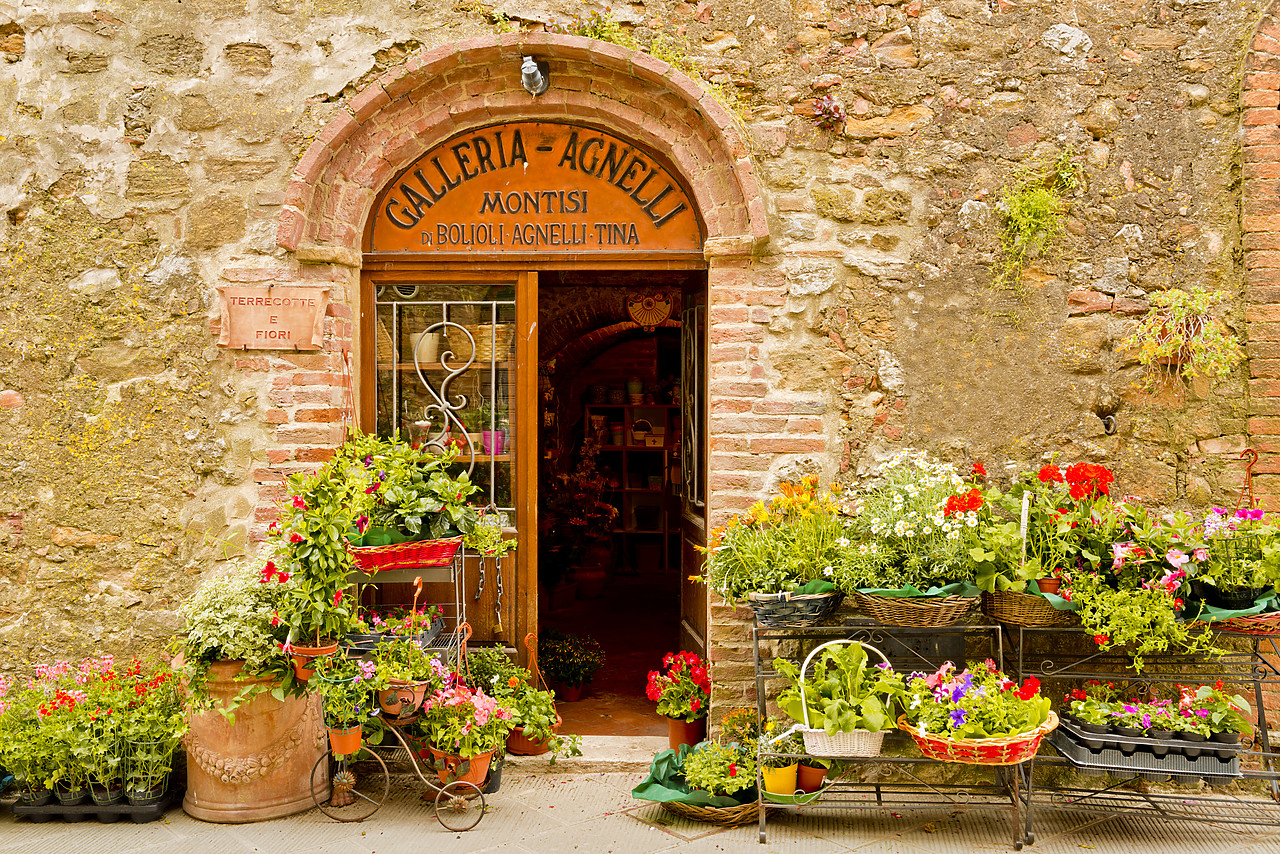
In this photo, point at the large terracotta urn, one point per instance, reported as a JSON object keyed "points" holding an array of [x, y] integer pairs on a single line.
{"points": [[258, 767]]}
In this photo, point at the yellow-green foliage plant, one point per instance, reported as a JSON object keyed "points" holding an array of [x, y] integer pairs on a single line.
{"points": [[1183, 330], [1033, 214]]}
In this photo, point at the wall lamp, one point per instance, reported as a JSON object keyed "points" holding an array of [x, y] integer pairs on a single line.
{"points": [[535, 76]]}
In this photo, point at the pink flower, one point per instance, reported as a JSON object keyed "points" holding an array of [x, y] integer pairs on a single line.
{"points": [[1176, 558], [1201, 555], [299, 502]]}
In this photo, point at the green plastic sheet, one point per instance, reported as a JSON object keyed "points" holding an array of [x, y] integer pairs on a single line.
{"points": [[666, 783]]}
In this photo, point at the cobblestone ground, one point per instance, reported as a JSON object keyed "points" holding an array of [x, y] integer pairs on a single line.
{"points": [[547, 813]]}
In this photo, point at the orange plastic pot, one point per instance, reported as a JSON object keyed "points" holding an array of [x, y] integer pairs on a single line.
{"points": [[344, 742], [304, 658], [685, 732]]}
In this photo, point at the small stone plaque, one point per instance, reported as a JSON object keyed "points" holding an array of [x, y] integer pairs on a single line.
{"points": [[272, 318]]}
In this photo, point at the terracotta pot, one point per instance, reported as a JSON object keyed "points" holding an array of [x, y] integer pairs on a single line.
{"points": [[809, 777], [685, 732], [394, 699], [780, 781], [1049, 585], [591, 581], [344, 741], [303, 656], [569, 693], [475, 774], [258, 767], [518, 745]]}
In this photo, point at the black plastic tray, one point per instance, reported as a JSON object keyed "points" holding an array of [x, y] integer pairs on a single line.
{"points": [[1156, 746], [105, 814], [1124, 760]]}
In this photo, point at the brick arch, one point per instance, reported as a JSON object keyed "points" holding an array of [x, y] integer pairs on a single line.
{"points": [[580, 350], [448, 90], [1260, 227]]}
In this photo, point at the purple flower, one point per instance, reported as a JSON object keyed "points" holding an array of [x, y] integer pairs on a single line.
{"points": [[1204, 713], [957, 717], [884, 665], [957, 692]]}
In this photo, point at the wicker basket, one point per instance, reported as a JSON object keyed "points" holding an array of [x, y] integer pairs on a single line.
{"points": [[1008, 750], [723, 816], [1256, 624], [859, 744], [787, 610], [916, 612], [420, 553], [1024, 609]]}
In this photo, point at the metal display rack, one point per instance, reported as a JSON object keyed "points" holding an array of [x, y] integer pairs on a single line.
{"points": [[449, 641], [1257, 664], [892, 780]]}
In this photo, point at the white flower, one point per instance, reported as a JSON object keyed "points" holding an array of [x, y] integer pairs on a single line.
{"points": [[842, 542], [827, 572], [915, 702]]}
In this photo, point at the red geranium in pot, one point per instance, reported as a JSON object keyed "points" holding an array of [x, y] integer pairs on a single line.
{"points": [[683, 695]]}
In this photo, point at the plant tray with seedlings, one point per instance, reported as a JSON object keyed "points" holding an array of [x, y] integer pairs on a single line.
{"points": [[357, 645], [139, 814], [1149, 758]]}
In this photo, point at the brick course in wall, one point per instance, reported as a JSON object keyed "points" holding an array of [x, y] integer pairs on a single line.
{"points": [[1260, 224]]}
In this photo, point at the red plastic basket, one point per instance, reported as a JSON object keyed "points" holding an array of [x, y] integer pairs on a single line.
{"points": [[1267, 625], [1008, 750], [421, 553]]}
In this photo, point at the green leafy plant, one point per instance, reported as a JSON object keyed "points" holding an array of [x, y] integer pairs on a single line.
{"points": [[1215, 708], [720, 769], [794, 539], [1032, 213], [567, 658], [843, 691], [347, 687], [235, 615], [1182, 329], [462, 722], [774, 741], [402, 660], [532, 709], [487, 539]]}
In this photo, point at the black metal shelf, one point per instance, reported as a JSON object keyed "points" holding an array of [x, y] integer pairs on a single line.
{"points": [[890, 780]]}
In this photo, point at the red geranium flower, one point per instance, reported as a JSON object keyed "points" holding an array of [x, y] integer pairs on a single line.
{"points": [[1050, 474], [299, 502], [1029, 688], [979, 471], [295, 537], [1101, 640]]}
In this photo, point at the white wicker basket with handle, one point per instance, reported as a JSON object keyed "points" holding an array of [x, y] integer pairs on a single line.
{"points": [[860, 743]]}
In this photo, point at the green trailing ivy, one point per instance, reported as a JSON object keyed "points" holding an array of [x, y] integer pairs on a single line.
{"points": [[1033, 215], [1182, 329]]}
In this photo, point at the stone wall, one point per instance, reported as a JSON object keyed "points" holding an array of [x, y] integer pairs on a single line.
{"points": [[156, 149]]}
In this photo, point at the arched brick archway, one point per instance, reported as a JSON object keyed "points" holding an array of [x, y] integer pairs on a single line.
{"points": [[1260, 226], [449, 90]]}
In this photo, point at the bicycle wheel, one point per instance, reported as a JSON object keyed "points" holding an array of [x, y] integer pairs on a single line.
{"points": [[459, 805], [360, 784]]}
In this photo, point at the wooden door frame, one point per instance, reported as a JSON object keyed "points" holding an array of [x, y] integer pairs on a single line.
{"points": [[379, 268]]}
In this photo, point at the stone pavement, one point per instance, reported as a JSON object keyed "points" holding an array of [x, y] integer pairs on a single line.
{"points": [[543, 810]]}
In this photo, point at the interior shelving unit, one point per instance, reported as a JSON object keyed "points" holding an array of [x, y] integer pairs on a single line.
{"points": [[637, 447]]}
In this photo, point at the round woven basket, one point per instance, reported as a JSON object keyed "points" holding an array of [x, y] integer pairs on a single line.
{"points": [[1009, 750], [723, 816], [787, 610], [1024, 609], [915, 612]]}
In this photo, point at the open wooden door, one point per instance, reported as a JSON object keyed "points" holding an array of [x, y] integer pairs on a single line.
{"points": [[693, 466], [450, 359]]}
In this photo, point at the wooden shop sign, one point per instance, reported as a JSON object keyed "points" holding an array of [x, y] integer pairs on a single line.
{"points": [[272, 318], [536, 187]]}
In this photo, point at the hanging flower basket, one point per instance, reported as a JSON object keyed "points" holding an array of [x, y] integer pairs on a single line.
{"points": [[1006, 750]]}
